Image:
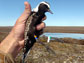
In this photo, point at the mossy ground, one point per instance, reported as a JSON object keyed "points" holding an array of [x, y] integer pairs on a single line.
{"points": [[65, 53], [67, 50]]}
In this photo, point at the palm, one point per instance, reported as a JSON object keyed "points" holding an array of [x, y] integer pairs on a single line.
{"points": [[20, 23]]}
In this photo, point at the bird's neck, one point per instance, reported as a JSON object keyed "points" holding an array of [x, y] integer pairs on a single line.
{"points": [[40, 12]]}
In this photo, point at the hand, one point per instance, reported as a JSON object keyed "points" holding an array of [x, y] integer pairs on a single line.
{"points": [[14, 42], [18, 29]]}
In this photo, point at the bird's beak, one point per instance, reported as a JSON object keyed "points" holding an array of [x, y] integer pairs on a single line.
{"points": [[50, 11]]}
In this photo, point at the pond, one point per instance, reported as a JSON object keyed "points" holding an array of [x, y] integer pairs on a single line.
{"points": [[65, 35]]}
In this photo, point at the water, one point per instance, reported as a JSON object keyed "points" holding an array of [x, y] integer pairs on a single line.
{"points": [[65, 35]]}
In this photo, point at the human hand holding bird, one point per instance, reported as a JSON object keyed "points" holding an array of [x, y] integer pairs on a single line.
{"points": [[14, 42]]}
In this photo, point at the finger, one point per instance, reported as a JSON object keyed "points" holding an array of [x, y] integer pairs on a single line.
{"points": [[39, 32], [40, 26], [26, 12], [21, 43], [44, 18], [27, 8]]}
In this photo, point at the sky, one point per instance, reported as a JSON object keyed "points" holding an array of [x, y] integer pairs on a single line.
{"points": [[65, 12]]}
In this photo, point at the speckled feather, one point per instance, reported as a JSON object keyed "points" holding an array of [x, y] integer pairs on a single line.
{"points": [[33, 20], [30, 31]]}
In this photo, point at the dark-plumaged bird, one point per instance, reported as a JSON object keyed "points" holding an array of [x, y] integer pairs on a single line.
{"points": [[33, 20]]}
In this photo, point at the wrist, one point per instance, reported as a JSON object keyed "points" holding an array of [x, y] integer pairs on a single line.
{"points": [[10, 45]]}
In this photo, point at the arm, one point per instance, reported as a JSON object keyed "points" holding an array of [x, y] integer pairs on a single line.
{"points": [[14, 42]]}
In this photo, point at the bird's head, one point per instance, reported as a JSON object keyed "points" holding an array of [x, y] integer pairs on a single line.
{"points": [[43, 7]]}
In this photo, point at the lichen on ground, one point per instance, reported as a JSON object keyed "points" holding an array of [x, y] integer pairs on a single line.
{"points": [[65, 53]]}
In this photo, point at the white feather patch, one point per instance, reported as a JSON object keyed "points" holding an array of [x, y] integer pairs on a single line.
{"points": [[36, 9], [46, 4]]}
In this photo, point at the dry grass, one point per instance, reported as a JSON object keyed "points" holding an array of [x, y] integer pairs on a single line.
{"points": [[2, 35], [5, 29], [64, 40], [71, 51], [4, 32], [73, 41], [55, 29], [65, 53]]}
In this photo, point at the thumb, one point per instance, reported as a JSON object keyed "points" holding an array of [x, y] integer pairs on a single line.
{"points": [[27, 8], [26, 12]]}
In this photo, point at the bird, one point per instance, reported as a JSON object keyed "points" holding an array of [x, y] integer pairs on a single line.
{"points": [[35, 18]]}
